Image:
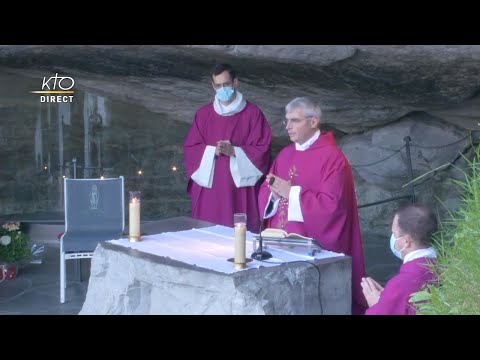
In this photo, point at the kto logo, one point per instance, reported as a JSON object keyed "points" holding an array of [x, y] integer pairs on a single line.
{"points": [[56, 85]]}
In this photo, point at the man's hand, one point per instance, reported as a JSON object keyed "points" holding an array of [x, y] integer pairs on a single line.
{"points": [[225, 147], [217, 149], [280, 188], [371, 290]]}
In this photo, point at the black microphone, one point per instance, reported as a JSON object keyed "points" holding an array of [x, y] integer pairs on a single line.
{"points": [[260, 254]]}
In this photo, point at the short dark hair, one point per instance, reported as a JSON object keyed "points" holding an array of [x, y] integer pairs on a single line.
{"points": [[219, 68], [418, 221]]}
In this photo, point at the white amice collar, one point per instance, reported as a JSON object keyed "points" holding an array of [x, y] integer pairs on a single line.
{"points": [[228, 110], [308, 143], [428, 253]]}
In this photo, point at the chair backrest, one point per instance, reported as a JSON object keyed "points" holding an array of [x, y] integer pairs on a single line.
{"points": [[94, 211]]}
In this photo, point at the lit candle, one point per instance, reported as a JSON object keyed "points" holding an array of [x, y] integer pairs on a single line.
{"points": [[240, 245], [240, 226], [134, 217]]}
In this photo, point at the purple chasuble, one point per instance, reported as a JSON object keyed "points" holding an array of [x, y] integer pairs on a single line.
{"points": [[394, 300], [247, 129], [328, 202]]}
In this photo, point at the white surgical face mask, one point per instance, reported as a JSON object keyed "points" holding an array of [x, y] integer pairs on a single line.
{"points": [[397, 253], [225, 93]]}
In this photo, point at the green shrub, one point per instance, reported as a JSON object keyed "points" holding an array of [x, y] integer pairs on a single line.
{"points": [[14, 243], [458, 245]]}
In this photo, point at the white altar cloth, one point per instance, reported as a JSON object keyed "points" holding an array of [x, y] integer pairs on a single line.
{"points": [[210, 247]]}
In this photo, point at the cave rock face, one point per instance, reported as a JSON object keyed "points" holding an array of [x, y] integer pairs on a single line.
{"points": [[372, 97]]}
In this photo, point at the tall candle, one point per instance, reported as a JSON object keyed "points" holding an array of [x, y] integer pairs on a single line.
{"points": [[240, 244], [134, 219]]}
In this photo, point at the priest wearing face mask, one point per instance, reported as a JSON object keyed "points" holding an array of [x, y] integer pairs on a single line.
{"points": [[227, 152], [412, 230]]}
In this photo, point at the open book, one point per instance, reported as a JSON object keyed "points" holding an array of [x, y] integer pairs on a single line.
{"points": [[281, 238], [282, 234]]}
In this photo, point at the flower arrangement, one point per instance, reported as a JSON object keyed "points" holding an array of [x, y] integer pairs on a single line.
{"points": [[14, 243]]}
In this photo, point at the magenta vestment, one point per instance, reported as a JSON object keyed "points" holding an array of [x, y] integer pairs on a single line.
{"points": [[394, 300], [328, 202], [247, 129]]}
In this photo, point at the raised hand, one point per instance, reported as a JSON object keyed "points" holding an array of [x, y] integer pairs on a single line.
{"points": [[278, 186], [371, 290]]}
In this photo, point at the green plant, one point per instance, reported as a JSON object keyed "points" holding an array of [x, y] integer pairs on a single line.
{"points": [[14, 243], [458, 245]]}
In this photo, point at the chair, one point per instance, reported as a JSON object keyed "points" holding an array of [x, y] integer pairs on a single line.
{"points": [[94, 212]]}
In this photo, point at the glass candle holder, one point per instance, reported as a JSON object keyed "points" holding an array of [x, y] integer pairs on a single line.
{"points": [[240, 226], [134, 216]]}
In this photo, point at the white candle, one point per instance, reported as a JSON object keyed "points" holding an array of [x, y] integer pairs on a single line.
{"points": [[240, 243], [134, 217]]}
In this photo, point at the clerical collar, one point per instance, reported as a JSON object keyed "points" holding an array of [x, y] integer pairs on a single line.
{"points": [[428, 253], [308, 143], [228, 110]]}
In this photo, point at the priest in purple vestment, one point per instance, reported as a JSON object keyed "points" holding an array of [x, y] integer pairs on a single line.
{"points": [[412, 230], [227, 151], [310, 190]]}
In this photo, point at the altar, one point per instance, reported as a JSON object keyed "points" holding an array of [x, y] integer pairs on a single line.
{"points": [[181, 267]]}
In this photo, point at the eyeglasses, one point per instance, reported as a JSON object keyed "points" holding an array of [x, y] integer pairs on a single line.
{"points": [[295, 121], [218, 86]]}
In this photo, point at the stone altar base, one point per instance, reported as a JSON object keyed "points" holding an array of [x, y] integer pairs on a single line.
{"points": [[126, 281]]}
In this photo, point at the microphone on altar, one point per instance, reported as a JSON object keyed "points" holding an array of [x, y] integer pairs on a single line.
{"points": [[260, 254]]}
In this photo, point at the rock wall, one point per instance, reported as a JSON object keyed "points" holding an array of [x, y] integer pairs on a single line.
{"points": [[372, 97]]}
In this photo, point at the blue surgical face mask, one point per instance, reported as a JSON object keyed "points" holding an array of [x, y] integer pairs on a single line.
{"points": [[225, 93], [396, 252]]}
